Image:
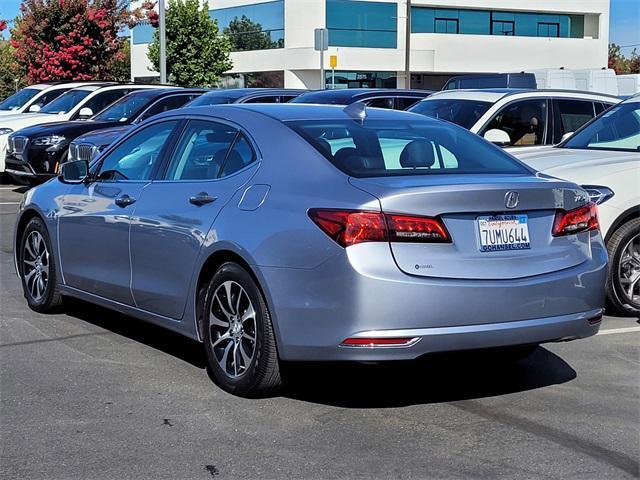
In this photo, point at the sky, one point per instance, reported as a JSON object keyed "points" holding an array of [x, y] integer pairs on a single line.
{"points": [[624, 25]]}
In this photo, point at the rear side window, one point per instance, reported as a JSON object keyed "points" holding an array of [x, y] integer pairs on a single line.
{"points": [[382, 102], [573, 114], [240, 155], [380, 148], [265, 99], [402, 103], [461, 112], [49, 96]]}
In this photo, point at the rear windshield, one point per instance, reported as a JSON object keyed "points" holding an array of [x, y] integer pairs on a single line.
{"points": [[461, 112], [381, 148]]}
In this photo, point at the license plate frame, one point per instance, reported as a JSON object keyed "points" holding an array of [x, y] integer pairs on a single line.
{"points": [[513, 227]]}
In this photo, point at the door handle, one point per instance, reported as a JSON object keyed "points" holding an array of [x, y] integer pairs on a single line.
{"points": [[125, 200], [202, 199]]}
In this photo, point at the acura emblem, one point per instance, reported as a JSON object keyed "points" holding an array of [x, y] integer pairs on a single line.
{"points": [[511, 199]]}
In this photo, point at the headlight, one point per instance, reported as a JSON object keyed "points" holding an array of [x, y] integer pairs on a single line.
{"points": [[5, 131], [598, 194], [48, 140]]}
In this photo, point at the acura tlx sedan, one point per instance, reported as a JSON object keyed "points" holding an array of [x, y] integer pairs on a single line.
{"points": [[304, 232]]}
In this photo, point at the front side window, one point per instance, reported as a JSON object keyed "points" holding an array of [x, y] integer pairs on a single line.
{"points": [[19, 98], [461, 112], [264, 99], [525, 122], [573, 114], [122, 110], [202, 151], [380, 148], [402, 103], [47, 97], [137, 157], [102, 100], [382, 102], [164, 105], [616, 129], [66, 101]]}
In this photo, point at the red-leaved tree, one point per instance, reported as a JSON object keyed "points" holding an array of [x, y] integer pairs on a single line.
{"points": [[70, 39]]}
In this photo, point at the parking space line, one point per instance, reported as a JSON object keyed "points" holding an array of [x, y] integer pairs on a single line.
{"points": [[9, 203], [611, 331]]}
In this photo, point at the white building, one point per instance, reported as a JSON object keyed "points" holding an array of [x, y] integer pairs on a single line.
{"points": [[448, 37]]}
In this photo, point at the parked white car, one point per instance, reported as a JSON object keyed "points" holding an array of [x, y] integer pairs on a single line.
{"points": [[604, 156], [513, 117], [34, 97], [75, 104]]}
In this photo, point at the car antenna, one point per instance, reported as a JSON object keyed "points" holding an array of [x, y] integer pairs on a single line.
{"points": [[357, 111]]}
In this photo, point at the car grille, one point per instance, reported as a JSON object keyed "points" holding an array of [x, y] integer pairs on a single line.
{"points": [[16, 145], [82, 152]]}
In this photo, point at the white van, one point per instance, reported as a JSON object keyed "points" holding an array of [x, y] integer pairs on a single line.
{"points": [[597, 80], [554, 79], [629, 84]]}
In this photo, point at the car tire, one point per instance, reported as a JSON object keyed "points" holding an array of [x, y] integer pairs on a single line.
{"points": [[626, 238], [238, 334], [38, 268]]}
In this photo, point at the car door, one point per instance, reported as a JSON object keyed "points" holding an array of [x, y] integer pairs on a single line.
{"points": [[211, 161], [94, 224]]}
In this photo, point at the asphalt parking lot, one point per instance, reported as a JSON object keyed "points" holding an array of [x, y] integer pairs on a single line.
{"points": [[93, 394]]}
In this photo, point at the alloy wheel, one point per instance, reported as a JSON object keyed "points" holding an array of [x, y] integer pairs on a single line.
{"points": [[232, 320], [35, 260], [629, 270]]}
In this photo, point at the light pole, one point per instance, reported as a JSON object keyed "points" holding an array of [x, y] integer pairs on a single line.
{"points": [[163, 42], [407, 48]]}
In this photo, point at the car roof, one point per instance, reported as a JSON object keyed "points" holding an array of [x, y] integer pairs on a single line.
{"points": [[299, 111], [494, 94], [346, 94], [237, 93], [153, 93]]}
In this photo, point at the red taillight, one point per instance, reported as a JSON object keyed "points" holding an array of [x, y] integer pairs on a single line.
{"points": [[379, 342], [577, 220], [349, 227]]}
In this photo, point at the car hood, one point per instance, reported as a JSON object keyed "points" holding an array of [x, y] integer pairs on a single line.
{"points": [[103, 137], [22, 120], [552, 160], [72, 129]]}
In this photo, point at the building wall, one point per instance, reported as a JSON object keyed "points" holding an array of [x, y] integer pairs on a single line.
{"points": [[430, 52]]}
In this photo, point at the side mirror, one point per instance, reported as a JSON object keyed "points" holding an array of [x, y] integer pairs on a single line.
{"points": [[34, 108], [498, 137], [565, 136], [85, 112], [74, 172]]}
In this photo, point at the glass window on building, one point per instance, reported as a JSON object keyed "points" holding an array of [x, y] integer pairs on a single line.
{"points": [[259, 26], [362, 24], [488, 22], [342, 79], [271, 79], [142, 33]]}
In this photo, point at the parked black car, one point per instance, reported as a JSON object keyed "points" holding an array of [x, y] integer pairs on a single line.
{"points": [[393, 98], [39, 150], [87, 146]]}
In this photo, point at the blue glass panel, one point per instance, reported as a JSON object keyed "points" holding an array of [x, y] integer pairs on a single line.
{"points": [[142, 33], [446, 13], [422, 19], [362, 24], [526, 24], [362, 38], [270, 15], [508, 16], [576, 29], [474, 22]]}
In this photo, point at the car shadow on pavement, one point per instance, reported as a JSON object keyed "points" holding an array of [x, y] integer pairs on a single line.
{"points": [[140, 331], [432, 379]]}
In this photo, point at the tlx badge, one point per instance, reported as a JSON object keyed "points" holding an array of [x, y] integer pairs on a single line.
{"points": [[511, 199]]}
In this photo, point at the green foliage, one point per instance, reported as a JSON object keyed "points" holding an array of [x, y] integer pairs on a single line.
{"points": [[196, 53], [247, 35], [622, 64], [10, 70], [119, 66]]}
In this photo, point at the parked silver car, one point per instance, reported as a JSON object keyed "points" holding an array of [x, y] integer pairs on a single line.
{"points": [[303, 232]]}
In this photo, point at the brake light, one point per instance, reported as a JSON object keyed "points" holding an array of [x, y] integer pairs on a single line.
{"points": [[579, 219], [350, 227]]}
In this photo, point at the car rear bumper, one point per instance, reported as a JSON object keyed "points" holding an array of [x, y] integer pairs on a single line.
{"points": [[350, 296]]}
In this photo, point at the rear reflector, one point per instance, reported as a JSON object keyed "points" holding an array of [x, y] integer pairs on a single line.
{"points": [[379, 342], [350, 227], [577, 220]]}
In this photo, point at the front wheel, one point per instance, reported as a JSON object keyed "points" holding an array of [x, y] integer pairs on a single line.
{"points": [[238, 335], [623, 281], [38, 268]]}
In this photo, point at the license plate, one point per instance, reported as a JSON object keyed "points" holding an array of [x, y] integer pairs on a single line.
{"points": [[503, 232]]}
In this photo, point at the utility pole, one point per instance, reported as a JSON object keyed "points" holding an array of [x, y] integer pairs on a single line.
{"points": [[163, 42], [407, 48]]}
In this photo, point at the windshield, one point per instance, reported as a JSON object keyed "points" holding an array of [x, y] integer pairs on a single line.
{"points": [[123, 110], [381, 148], [19, 98], [616, 129], [205, 100], [461, 112], [65, 102]]}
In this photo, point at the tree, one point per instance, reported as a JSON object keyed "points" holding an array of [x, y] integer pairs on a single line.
{"points": [[120, 64], [69, 39], [617, 61], [634, 62], [11, 72], [248, 35], [196, 53]]}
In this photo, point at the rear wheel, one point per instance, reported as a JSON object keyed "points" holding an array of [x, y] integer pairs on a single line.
{"points": [[38, 268], [623, 281], [238, 335]]}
